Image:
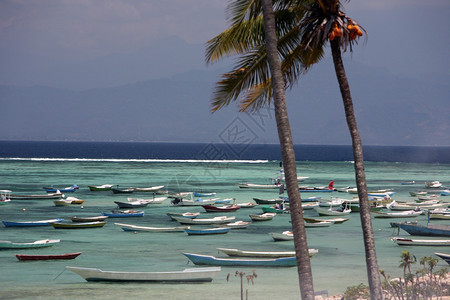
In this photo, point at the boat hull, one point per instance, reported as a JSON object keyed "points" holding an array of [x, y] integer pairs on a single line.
{"points": [[25, 257], [36, 244], [261, 262], [81, 225], [221, 230], [30, 223], [430, 230], [187, 275]]}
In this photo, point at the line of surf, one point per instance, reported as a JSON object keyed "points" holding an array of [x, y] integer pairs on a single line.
{"points": [[144, 160]]}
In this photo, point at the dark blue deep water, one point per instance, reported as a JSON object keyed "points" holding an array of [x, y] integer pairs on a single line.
{"points": [[199, 151]]}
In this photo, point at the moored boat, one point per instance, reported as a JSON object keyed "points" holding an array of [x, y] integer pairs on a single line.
{"points": [[259, 186], [208, 221], [151, 189], [426, 230], [98, 188], [189, 215], [78, 225], [116, 213], [186, 275], [263, 217], [88, 219], [129, 227], [246, 205], [402, 214], [199, 259], [237, 225], [332, 211], [35, 244], [444, 256], [335, 220], [5, 196], [318, 224], [30, 223], [284, 236], [224, 208], [25, 257], [69, 189], [272, 254], [36, 197], [118, 190], [268, 201], [417, 242], [206, 231], [131, 204]]}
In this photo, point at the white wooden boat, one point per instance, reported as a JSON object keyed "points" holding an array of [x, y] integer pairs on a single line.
{"points": [[62, 202], [398, 207], [310, 205], [416, 242], [284, 236], [157, 200], [402, 214], [332, 202], [440, 215], [273, 254], [246, 205], [238, 225], [189, 215], [444, 256], [433, 184], [35, 244], [129, 227], [427, 197], [263, 217], [148, 189], [318, 224], [193, 202], [259, 186], [186, 275], [57, 195], [209, 221], [335, 220], [332, 212]]}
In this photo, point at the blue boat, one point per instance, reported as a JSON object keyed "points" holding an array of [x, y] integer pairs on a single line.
{"points": [[218, 230], [428, 230], [69, 189], [199, 194], [31, 223], [199, 259], [124, 213]]}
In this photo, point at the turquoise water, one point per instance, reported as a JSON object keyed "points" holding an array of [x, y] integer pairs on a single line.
{"points": [[341, 249]]}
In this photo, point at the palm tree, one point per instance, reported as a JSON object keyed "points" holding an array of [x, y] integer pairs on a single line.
{"points": [[325, 21], [288, 154]]}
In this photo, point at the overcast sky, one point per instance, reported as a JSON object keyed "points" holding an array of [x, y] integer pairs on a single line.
{"points": [[408, 37]]}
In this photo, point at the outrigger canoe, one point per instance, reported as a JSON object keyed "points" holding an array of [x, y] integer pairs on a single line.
{"points": [[47, 257]]}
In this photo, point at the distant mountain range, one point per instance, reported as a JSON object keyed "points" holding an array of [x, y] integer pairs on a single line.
{"points": [[390, 111]]}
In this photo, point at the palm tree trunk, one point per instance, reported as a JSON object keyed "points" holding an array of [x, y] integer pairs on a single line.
{"points": [[366, 222], [288, 155]]}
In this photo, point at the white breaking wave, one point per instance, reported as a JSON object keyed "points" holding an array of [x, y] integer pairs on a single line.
{"points": [[150, 160]]}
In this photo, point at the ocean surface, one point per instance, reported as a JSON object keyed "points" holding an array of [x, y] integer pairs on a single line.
{"points": [[29, 166]]}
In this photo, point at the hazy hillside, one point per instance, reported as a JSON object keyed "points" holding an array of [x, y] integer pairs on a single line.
{"points": [[390, 111]]}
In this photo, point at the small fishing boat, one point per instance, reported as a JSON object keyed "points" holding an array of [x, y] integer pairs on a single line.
{"points": [[116, 213], [36, 197], [433, 184], [210, 221], [426, 230], [199, 194], [310, 205], [408, 182], [276, 209], [224, 208], [189, 215], [335, 220], [129, 227], [5, 196], [415, 242], [30, 223], [263, 217], [237, 225], [218, 230], [402, 214], [192, 202], [69, 189], [79, 225], [25, 257], [444, 256], [259, 186], [131, 204], [332, 211], [99, 188], [268, 201], [75, 200], [88, 219], [246, 205], [36, 244], [284, 236], [272, 254], [445, 192], [151, 189], [155, 200], [62, 202], [418, 193], [118, 190], [199, 259], [187, 275], [395, 224], [318, 224]]}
